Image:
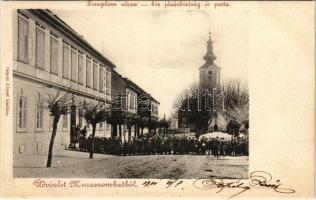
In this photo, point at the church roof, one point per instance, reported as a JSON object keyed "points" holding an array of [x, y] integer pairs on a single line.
{"points": [[209, 57], [209, 65]]}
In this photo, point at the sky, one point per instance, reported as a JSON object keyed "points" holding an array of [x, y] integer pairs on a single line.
{"points": [[161, 50]]}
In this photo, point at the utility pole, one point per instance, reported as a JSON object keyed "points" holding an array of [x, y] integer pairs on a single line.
{"points": [[164, 125]]}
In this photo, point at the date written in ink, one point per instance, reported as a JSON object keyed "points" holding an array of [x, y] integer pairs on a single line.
{"points": [[149, 183], [173, 183], [169, 183]]}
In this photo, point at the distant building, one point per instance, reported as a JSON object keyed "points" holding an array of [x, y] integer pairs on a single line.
{"points": [[130, 108], [47, 53], [209, 80], [210, 73]]}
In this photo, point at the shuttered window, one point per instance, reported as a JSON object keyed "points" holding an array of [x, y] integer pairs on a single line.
{"points": [[80, 69], [40, 48], [108, 82], [88, 73], [66, 61], [101, 77], [23, 43], [53, 55], [74, 64], [22, 112], [39, 114], [95, 76]]}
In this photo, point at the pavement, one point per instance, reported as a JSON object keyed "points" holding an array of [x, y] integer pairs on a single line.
{"points": [[74, 164]]}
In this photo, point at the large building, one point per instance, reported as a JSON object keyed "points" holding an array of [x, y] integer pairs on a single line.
{"points": [[132, 106], [50, 57]]}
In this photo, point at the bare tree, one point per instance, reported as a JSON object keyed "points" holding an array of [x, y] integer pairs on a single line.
{"points": [[94, 113], [118, 113], [236, 97], [58, 102], [194, 105], [173, 119], [199, 107]]}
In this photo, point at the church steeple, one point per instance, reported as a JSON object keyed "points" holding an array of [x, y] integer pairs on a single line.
{"points": [[209, 56], [209, 71]]}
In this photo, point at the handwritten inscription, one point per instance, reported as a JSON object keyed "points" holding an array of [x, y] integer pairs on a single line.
{"points": [[149, 183], [257, 179], [174, 183]]}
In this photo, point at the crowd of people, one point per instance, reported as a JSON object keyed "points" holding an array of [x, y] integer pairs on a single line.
{"points": [[156, 144]]}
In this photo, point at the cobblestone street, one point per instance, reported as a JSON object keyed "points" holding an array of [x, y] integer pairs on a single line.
{"points": [[69, 164]]}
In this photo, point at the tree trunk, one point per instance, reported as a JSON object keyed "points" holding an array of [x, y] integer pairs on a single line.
{"points": [[136, 130], [120, 130], [129, 132], [142, 132], [92, 142], [114, 131], [51, 144]]}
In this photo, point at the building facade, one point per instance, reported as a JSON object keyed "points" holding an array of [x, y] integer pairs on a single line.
{"points": [[132, 108], [48, 55], [209, 84]]}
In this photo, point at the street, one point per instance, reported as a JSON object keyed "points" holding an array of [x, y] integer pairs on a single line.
{"points": [[71, 164]]}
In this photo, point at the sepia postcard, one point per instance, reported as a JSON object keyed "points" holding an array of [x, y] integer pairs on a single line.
{"points": [[157, 99]]}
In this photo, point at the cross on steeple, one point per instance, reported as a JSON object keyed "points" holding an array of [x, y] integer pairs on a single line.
{"points": [[209, 56]]}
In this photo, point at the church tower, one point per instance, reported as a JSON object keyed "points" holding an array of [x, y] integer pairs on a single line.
{"points": [[209, 72]]}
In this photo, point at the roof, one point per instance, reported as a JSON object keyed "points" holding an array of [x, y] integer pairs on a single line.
{"points": [[134, 86], [209, 65], [154, 100], [52, 19]]}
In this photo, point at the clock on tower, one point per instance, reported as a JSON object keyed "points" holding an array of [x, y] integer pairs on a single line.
{"points": [[209, 71]]}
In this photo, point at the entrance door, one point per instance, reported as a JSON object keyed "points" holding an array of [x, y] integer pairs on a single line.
{"points": [[73, 135]]}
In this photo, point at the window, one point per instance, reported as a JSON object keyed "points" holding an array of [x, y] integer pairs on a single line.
{"points": [[53, 55], [66, 61], [74, 63], [23, 40], [39, 114], [65, 121], [88, 73], [101, 77], [80, 118], [80, 70], [95, 76], [127, 101], [132, 101], [108, 82], [156, 110], [101, 125], [22, 112], [40, 48]]}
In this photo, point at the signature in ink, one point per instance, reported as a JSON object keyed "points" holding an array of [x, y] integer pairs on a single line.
{"points": [[257, 179]]}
